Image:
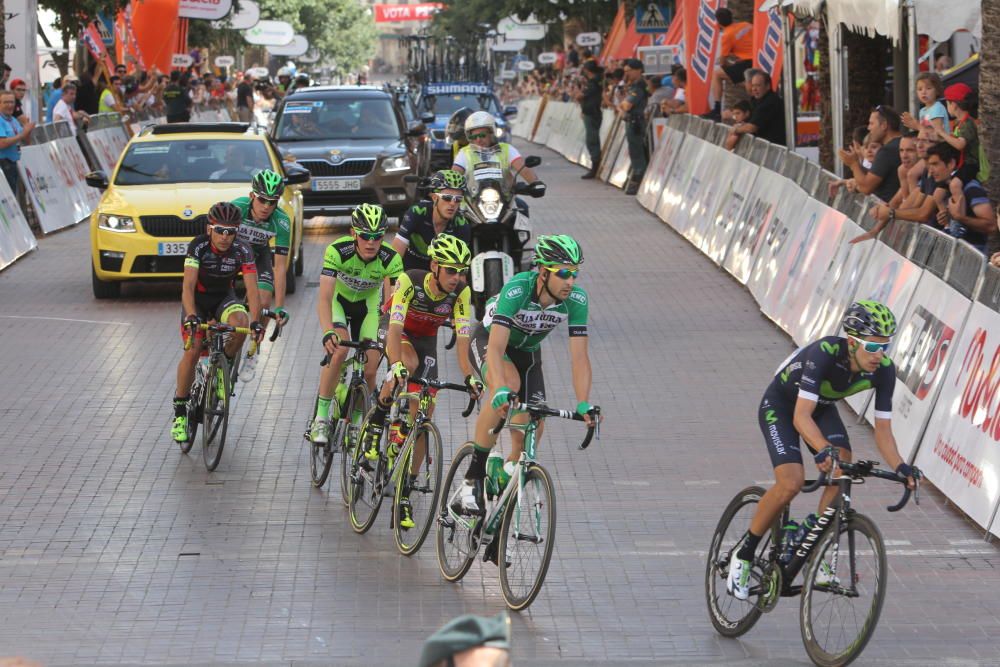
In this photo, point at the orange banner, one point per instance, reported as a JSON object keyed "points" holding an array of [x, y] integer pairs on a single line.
{"points": [[768, 42], [701, 40]]}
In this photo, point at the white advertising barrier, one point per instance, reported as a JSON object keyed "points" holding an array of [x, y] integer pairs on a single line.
{"points": [[785, 223], [718, 236], [715, 171], [16, 238], [67, 151], [753, 223], [108, 144], [524, 122], [838, 281], [891, 279], [659, 168], [607, 124], [961, 446], [622, 164], [46, 188], [610, 150], [543, 130], [673, 204], [922, 353]]}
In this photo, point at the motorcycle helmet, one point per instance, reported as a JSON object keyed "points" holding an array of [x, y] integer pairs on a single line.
{"points": [[456, 125]]}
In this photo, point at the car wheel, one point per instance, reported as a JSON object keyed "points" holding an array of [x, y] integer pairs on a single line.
{"points": [[300, 262], [104, 289], [290, 279]]}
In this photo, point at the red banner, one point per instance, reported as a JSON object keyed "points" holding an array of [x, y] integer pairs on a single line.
{"points": [[701, 40], [394, 13], [92, 38], [768, 42]]}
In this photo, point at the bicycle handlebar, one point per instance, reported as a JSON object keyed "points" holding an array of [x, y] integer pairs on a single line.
{"points": [[360, 346], [441, 384], [265, 313], [217, 327], [861, 469], [540, 410]]}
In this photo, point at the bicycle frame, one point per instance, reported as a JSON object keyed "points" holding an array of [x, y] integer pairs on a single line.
{"points": [[833, 516]]}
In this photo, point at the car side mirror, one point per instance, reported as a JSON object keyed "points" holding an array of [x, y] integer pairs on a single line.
{"points": [[416, 129], [296, 174], [427, 118], [509, 111], [97, 179], [532, 161]]}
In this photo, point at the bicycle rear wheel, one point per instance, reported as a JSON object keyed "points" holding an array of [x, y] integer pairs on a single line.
{"points": [[320, 454], [367, 482], [356, 406], [216, 412], [457, 536], [423, 494], [527, 537], [732, 617], [843, 592]]}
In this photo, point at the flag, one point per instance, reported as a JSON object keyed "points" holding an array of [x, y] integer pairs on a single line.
{"points": [[701, 39], [768, 41]]}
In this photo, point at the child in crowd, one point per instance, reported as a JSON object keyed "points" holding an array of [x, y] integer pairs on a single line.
{"points": [[962, 101], [871, 148], [740, 113], [932, 112]]}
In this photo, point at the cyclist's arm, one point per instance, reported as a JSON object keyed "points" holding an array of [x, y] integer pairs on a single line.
{"points": [[582, 374], [280, 276], [886, 443], [397, 319], [806, 425], [187, 290], [324, 303], [249, 270], [495, 348], [463, 327], [282, 245]]}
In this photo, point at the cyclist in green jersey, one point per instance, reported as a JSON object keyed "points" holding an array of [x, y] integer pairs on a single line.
{"points": [[354, 267], [262, 221], [505, 350]]}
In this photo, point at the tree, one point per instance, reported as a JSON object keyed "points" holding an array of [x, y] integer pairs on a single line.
{"points": [[989, 93], [74, 15]]}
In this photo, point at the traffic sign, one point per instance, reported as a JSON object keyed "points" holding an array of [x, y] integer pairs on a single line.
{"points": [[525, 65], [659, 59], [224, 61], [547, 58], [181, 60], [651, 17], [588, 39]]}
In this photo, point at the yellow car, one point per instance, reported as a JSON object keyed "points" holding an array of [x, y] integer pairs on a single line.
{"points": [[158, 197]]}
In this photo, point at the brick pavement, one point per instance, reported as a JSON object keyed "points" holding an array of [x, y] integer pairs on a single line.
{"points": [[117, 549]]}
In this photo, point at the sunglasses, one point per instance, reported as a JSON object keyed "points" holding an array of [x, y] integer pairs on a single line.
{"points": [[870, 346], [267, 201], [452, 198], [369, 236], [453, 271], [479, 135], [224, 230], [565, 274]]}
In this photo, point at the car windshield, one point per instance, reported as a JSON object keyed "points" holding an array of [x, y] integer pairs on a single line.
{"points": [[449, 104], [310, 120], [192, 161]]}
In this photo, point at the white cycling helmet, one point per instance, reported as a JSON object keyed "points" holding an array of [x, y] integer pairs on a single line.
{"points": [[480, 119], [285, 71]]}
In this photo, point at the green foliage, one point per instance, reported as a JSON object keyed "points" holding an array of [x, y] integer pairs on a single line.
{"points": [[463, 18], [71, 15]]}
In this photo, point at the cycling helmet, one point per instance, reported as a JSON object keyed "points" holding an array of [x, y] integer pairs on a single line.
{"points": [[557, 249], [450, 250], [446, 179], [869, 318], [267, 183], [285, 71], [456, 124], [225, 213], [480, 119], [370, 219]]}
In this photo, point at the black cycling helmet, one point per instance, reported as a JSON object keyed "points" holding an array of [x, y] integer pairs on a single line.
{"points": [[456, 124], [225, 213]]}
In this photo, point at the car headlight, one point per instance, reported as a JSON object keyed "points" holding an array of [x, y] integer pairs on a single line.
{"points": [[395, 164], [489, 203], [116, 223]]}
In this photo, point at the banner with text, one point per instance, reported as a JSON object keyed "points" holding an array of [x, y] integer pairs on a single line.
{"points": [[16, 238], [701, 37], [393, 13]]}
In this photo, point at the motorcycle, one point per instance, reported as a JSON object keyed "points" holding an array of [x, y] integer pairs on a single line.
{"points": [[501, 227]]}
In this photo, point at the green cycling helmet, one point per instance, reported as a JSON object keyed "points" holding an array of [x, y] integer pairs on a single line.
{"points": [[267, 183], [447, 179], [869, 318], [450, 251], [369, 219], [557, 249]]}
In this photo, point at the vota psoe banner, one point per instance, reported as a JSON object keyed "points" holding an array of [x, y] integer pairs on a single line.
{"points": [[961, 447], [393, 13], [922, 352], [701, 34], [768, 41]]}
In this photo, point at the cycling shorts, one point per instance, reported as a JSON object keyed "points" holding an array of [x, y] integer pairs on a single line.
{"points": [[265, 267], [211, 307], [776, 419], [424, 346], [528, 365], [356, 317]]}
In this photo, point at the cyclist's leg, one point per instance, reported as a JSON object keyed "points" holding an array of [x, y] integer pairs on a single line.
{"points": [[265, 274], [420, 358], [367, 315], [488, 416], [330, 374], [833, 429], [185, 376], [232, 312], [529, 367]]}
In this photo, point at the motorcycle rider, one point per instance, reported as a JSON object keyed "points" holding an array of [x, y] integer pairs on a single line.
{"points": [[481, 133], [455, 130]]}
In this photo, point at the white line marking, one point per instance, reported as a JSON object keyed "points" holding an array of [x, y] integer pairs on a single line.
{"points": [[62, 319], [629, 482], [700, 482]]}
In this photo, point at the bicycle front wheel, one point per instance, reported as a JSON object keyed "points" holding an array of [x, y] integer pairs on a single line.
{"points": [[215, 412], [730, 616], [194, 410], [843, 592], [356, 406], [457, 535], [320, 453], [368, 480], [422, 492]]}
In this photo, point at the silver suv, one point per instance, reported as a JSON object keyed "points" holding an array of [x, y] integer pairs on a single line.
{"points": [[356, 144]]}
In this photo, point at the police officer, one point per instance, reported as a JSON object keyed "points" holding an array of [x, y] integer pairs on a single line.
{"points": [[590, 108], [633, 110], [177, 100]]}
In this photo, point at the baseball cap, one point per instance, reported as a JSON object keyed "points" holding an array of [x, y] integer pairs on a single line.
{"points": [[957, 92], [17, 82], [465, 632], [634, 63]]}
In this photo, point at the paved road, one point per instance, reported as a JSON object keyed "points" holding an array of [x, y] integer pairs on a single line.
{"points": [[117, 549]]}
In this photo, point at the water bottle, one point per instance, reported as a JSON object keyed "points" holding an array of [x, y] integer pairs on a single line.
{"points": [[788, 533], [494, 473], [249, 368], [804, 528]]}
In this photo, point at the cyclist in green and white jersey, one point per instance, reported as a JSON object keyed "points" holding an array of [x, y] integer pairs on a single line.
{"points": [[262, 221], [505, 350], [354, 268]]}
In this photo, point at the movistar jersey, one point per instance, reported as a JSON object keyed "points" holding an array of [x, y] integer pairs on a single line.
{"points": [[420, 313], [417, 231], [517, 308], [356, 278], [821, 372], [259, 234]]}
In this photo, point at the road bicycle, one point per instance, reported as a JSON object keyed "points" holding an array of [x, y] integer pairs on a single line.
{"points": [[351, 403], [391, 475], [843, 555], [519, 521]]}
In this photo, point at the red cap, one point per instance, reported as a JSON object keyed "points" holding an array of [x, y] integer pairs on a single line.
{"points": [[17, 82], [957, 92]]}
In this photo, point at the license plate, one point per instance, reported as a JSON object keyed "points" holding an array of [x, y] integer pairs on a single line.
{"points": [[522, 222], [337, 184], [173, 248]]}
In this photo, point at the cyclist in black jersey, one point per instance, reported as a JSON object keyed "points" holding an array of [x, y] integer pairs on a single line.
{"points": [[800, 404], [213, 261], [428, 218]]}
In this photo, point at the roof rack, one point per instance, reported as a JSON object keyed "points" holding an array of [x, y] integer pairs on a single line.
{"points": [[187, 128]]}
